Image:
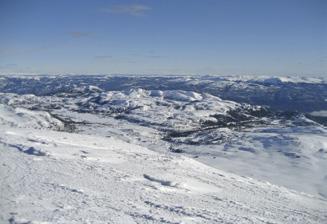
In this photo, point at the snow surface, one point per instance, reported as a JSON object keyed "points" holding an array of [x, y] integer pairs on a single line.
{"points": [[321, 113], [20, 117], [90, 179], [89, 155]]}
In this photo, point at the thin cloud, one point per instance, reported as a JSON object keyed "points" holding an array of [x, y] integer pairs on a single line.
{"points": [[102, 57], [129, 9], [154, 56], [78, 34], [8, 66]]}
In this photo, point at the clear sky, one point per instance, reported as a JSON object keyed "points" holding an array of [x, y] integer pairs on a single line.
{"points": [[264, 37]]}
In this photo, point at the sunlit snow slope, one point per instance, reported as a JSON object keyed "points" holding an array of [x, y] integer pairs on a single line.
{"points": [[162, 150], [57, 177]]}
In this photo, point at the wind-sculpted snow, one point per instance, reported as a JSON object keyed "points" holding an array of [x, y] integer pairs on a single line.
{"points": [[132, 150]]}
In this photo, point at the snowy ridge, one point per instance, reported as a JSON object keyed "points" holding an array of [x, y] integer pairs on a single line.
{"points": [[281, 93], [277, 79], [21, 117], [171, 108]]}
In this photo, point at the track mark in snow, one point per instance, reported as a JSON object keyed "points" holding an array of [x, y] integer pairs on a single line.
{"points": [[166, 183], [14, 220], [189, 185], [37, 141], [66, 188]]}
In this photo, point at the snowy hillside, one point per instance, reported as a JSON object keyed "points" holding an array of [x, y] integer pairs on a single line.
{"points": [[20, 117], [100, 149], [53, 177]]}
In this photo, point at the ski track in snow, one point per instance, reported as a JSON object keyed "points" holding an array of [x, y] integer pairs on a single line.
{"points": [[88, 179]]}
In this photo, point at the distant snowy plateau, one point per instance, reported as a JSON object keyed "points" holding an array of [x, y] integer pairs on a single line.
{"points": [[148, 149]]}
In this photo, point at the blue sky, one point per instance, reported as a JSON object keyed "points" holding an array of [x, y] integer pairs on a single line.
{"points": [[264, 37]]}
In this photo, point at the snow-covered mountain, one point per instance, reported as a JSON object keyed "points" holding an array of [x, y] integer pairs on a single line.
{"points": [[129, 149], [281, 93], [24, 118]]}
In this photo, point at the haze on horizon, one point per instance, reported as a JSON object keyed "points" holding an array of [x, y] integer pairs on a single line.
{"points": [[264, 37]]}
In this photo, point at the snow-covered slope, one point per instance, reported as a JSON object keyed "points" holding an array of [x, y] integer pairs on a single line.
{"points": [[21, 117], [162, 150], [169, 109], [53, 177], [220, 133]]}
